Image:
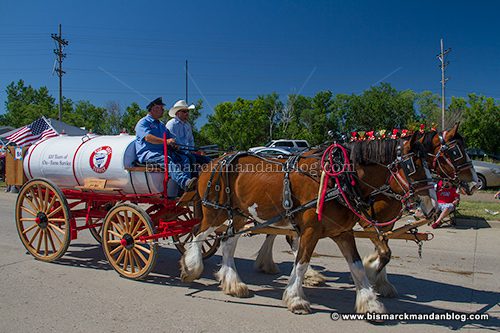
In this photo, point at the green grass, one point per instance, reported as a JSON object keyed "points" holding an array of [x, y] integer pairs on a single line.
{"points": [[476, 209], [2, 183]]}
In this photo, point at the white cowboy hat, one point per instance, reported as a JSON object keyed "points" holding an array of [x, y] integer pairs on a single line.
{"points": [[180, 105]]}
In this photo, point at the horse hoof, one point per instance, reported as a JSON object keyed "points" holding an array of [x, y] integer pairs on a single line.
{"points": [[299, 306], [366, 301], [238, 289], [188, 276]]}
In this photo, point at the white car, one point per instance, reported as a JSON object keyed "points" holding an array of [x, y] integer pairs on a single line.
{"points": [[291, 145], [273, 152]]}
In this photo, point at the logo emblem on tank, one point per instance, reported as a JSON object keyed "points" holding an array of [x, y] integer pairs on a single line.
{"points": [[100, 158]]}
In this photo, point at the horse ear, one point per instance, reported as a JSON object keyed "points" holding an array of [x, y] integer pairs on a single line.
{"points": [[453, 131], [418, 135], [415, 136]]}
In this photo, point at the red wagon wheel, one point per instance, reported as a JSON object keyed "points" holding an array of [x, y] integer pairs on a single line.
{"points": [[42, 219], [209, 246], [123, 226]]}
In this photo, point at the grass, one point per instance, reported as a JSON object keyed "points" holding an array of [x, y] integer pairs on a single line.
{"points": [[476, 209]]}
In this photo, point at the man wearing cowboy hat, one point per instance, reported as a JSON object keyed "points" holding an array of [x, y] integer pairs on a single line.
{"points": [[149, 146], [179, 126]]}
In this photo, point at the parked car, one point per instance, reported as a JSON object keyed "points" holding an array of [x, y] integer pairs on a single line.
{"points": [[275, 152], [479, 154], [292, 145], [488, 174]]}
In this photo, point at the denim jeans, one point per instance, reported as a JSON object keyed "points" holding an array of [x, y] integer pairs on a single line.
{"points": [[178, 167], [196, 161]]}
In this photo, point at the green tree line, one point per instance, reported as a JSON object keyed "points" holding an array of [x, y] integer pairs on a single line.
{"points": [[244, 123]]}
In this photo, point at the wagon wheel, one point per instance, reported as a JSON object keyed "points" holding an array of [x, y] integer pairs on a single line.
{"points": [[123, 226], [96, 232], [42, 219], [209, 246]]}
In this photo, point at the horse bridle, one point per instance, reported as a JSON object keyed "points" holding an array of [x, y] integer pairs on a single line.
{"points": [[451, 154], [408, 186], [407, 164]]}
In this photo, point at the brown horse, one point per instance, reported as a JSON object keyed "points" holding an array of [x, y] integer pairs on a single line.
{"points": [[447, 159], [260, 195]]}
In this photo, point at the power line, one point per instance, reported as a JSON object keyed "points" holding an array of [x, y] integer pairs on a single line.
{"points": [[60, 56]]}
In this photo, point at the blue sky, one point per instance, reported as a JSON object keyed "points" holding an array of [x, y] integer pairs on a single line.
{"points": [[134, 51]]}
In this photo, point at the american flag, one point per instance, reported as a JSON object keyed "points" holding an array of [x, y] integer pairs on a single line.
{"points": [[39, 129]]}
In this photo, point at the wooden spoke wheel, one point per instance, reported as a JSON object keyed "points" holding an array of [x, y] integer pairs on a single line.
{"points": [[96, 232], [209, 246], [123, 226], [42, 219]]}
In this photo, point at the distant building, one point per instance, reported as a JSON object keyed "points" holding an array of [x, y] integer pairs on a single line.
{"points": [[59, 126], [5, 129]]}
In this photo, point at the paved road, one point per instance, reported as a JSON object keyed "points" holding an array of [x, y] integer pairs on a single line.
{"points": [[81, 293]]}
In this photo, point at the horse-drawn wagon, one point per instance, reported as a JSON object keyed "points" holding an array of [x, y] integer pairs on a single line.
{"points": [[93, 183]]}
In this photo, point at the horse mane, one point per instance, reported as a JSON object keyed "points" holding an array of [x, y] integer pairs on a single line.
{"points": [[428, 138], [374, 151]]}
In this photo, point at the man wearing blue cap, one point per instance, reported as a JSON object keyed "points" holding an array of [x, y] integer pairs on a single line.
{"points": [[149, 146]]}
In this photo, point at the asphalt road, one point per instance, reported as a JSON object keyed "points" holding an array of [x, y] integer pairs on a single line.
{"points": [[459, 272]]}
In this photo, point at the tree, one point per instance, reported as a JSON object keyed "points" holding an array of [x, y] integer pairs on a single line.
{"points": [[112, 120], [25, 104], [429, 107], [380, 107], [481, 123], [455, 112], [132, 115], [314, 120], [86, 115], [240, 124]]}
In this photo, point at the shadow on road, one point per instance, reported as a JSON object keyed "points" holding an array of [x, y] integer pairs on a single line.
{"points": [[415, 293]]}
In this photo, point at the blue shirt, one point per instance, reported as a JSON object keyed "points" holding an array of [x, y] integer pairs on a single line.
{"points": [[182, 131], [146, 150]]}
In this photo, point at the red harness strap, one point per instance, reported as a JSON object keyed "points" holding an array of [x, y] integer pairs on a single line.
{"points": [[328, 169]]}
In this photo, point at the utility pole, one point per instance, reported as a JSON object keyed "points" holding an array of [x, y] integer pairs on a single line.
{"points": [[444, 63], [60, 56], [186, 81]]}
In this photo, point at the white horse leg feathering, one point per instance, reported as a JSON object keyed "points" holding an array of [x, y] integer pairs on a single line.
{"points": [[293, 296], [192, 260], [227, 275]]}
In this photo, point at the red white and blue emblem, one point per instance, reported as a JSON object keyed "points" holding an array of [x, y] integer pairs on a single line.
{"points": [[100, 159]]}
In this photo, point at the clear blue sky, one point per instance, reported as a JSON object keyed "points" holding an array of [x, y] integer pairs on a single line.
{"points": [[120, 50]]}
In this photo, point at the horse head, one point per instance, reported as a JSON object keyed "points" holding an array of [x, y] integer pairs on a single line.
{"points": [[448, 159], [414, 177]]}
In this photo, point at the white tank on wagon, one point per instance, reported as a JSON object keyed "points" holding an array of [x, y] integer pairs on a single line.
{"points": [[69, 160]]}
